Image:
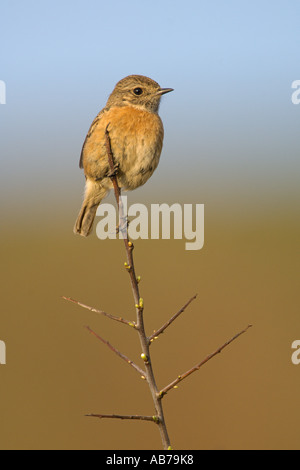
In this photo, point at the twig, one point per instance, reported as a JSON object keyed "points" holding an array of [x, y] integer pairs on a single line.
{"points": [[100, 312], [128, 244], [162, 329], [139, 303], [154, 419], [116, 351], [197, 367], [112, 165]]}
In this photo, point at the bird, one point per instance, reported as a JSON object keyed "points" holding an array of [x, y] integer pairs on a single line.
{"points": [[136, 137]]}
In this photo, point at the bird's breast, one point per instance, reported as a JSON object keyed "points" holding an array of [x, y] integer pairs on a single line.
{"points": [[136, 140]]}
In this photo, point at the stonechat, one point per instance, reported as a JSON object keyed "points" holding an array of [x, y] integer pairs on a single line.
{"points": [[136, 136]]}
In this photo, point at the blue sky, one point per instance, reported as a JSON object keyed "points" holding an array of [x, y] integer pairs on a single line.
{"points": [[230, 120]]}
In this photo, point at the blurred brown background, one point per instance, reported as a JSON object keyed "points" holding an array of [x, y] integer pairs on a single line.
{"points": [[231, 143], [56, 372]]}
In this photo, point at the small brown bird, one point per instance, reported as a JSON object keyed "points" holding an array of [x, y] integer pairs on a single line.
{"points": [[136, 134]]}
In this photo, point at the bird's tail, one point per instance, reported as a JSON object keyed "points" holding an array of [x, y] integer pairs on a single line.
{"points": [[93, 196]]}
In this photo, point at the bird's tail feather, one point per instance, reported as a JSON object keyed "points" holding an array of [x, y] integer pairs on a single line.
{"points": [[85, 220]]}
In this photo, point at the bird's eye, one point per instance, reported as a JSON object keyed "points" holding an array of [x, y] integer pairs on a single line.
{"points": [[138, 91]]}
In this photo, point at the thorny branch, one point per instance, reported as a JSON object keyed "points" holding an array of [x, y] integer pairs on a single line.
{"points": [[154, 419], [139, 303], [100, 312], [197, 367], [162, 329], [116, 351], [139, 324]]}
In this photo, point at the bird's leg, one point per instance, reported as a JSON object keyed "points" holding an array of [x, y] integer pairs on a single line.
{"points": [[115, 171], [123, 226]]}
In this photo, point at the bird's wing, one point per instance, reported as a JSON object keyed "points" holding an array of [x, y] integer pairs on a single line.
{"points": [[90, 132]]}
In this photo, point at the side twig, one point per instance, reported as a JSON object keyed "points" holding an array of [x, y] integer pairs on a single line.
{"points": [[100, 312], [169, 322], [173, 384], [154, 419], [116, 351]]}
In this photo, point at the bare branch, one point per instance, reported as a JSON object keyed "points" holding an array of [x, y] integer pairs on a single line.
{"points": [[112, 165], [145, 341], [139, 303], [124, 228], [197, 367], [116, 351], [154, 419], [101, 312], [162, 329]]}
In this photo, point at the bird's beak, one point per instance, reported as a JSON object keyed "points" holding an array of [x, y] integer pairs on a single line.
{"points": [[162, 91]]}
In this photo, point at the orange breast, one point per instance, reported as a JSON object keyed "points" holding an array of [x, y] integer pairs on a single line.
{"points": [[136, 140]]}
